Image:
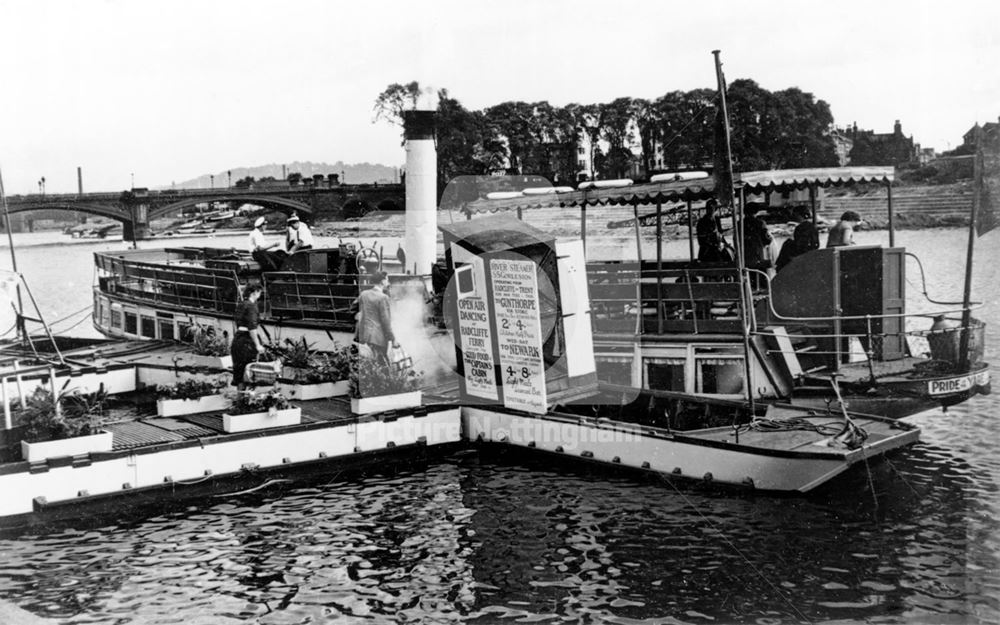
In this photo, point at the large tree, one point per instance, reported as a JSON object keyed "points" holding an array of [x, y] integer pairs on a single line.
{"points": [[396, 98]]}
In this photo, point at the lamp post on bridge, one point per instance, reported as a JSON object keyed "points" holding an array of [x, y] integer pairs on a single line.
{"points": [[211, 178], [133, 180], [230, 174]]}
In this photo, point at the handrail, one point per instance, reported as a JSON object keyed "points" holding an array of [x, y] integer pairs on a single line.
{"points": [[770, 305]]}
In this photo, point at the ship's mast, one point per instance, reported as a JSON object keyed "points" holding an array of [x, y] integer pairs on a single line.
{"points": [[724, 191]]}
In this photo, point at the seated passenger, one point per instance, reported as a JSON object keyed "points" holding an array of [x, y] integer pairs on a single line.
{"points": [[843, 232], [259, 249], [299, 237]]}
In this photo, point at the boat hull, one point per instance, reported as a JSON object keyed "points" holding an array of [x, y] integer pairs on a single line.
{"points": [[708, 456]]}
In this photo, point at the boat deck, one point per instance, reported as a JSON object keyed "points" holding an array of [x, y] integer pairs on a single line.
{"points": [[159, 430], [793, 430]]}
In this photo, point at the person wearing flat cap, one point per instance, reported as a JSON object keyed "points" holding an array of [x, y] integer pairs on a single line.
{"points": [[259, 248], [299, 237], [843, 232]]}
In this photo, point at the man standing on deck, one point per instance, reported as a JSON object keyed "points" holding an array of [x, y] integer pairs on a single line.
{"points": [[374, 320]]}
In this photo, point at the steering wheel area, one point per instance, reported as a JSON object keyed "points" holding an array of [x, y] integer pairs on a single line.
{"points": [[366, 256]]}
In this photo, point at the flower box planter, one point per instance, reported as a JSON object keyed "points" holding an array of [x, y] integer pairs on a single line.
{"points": [[319, 390], [201, 360], [261, 420], [76, 446], [177, 407], [383, 403]]}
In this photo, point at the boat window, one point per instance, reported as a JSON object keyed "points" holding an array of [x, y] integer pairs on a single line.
{"points": [[663, 374], [148, 327], [719, 376], [131, 323], [116, 318], [166, 329], [614, 369]]}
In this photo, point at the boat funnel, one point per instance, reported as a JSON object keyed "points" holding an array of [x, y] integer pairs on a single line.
{"points": [[421, 191]]}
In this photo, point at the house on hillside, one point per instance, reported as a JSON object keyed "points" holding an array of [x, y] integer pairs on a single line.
{"points": [[991, 135], [872, 148]]}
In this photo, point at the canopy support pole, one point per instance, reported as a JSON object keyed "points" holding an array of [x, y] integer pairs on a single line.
{"points": [[691, 232], [659, 266], [638, 254], [977, 175], [892, 221]]}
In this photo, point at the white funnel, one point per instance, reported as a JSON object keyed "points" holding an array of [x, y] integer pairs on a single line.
{"points": [[421, 192]]}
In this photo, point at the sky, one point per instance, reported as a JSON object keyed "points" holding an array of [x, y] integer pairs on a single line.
{"points": [[170, 90]]}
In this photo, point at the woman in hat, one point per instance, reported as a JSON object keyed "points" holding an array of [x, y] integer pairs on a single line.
{"points": [[843, 232], [269, 261]]}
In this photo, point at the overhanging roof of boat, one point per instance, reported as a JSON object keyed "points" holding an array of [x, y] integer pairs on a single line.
{"points": [[497, 232], [698, 189]]}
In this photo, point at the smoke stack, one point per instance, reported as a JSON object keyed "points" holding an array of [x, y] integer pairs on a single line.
{"points": [[421, 191]]}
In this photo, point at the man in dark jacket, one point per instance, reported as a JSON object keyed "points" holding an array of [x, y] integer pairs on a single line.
{"points": [[374, 320]]}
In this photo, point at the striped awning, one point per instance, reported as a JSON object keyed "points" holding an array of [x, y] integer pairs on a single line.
{"points": [[694, 190]]}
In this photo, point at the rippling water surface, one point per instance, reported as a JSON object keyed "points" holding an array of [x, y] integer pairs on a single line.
{"points": [[512, 540]]}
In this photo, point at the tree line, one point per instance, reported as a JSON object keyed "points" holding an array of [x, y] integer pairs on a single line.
{"points": [[770, 130]]}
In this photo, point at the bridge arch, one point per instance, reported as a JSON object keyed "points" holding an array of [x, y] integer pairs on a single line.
{"points": [[103, 210], [285, 205]]}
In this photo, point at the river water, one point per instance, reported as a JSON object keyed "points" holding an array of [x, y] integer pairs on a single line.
{"points": [[506, 540]]}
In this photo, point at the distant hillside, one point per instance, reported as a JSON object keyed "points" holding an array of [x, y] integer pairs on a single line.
{"points": [[357, 173]]}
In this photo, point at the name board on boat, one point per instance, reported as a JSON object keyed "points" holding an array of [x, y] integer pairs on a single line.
{"points": [[474, 331], [519, 334], [957, 385]]}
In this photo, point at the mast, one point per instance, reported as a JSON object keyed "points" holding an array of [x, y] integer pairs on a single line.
{"points": [[963, 345], [726, 196]]}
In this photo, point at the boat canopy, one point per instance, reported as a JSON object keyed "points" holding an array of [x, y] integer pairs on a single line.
{"points": [[698, 189]]}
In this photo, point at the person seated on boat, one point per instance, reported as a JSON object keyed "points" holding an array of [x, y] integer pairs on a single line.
{"points": [[711, 243], [246, 344], [299, 237], [805, 238], [260, 249], [843, 232], [756, 239]]}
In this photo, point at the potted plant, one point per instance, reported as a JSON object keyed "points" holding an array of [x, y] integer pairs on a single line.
{"points": [[191, 396], [255, 410], [209, 342], [68, 426], [326, 375], [296, 357], [377, 386]]}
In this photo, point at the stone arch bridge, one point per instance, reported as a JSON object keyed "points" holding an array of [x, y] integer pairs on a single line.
{"points": [[138, 207]]}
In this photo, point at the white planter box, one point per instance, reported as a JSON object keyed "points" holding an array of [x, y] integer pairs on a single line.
{"points": [[322, 390], [383, 403], [76, 446], [261, 420], [177, 407]]}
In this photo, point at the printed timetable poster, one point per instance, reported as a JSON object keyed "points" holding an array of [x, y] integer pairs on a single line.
{"points": [[474, 332], [519, 334]]}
